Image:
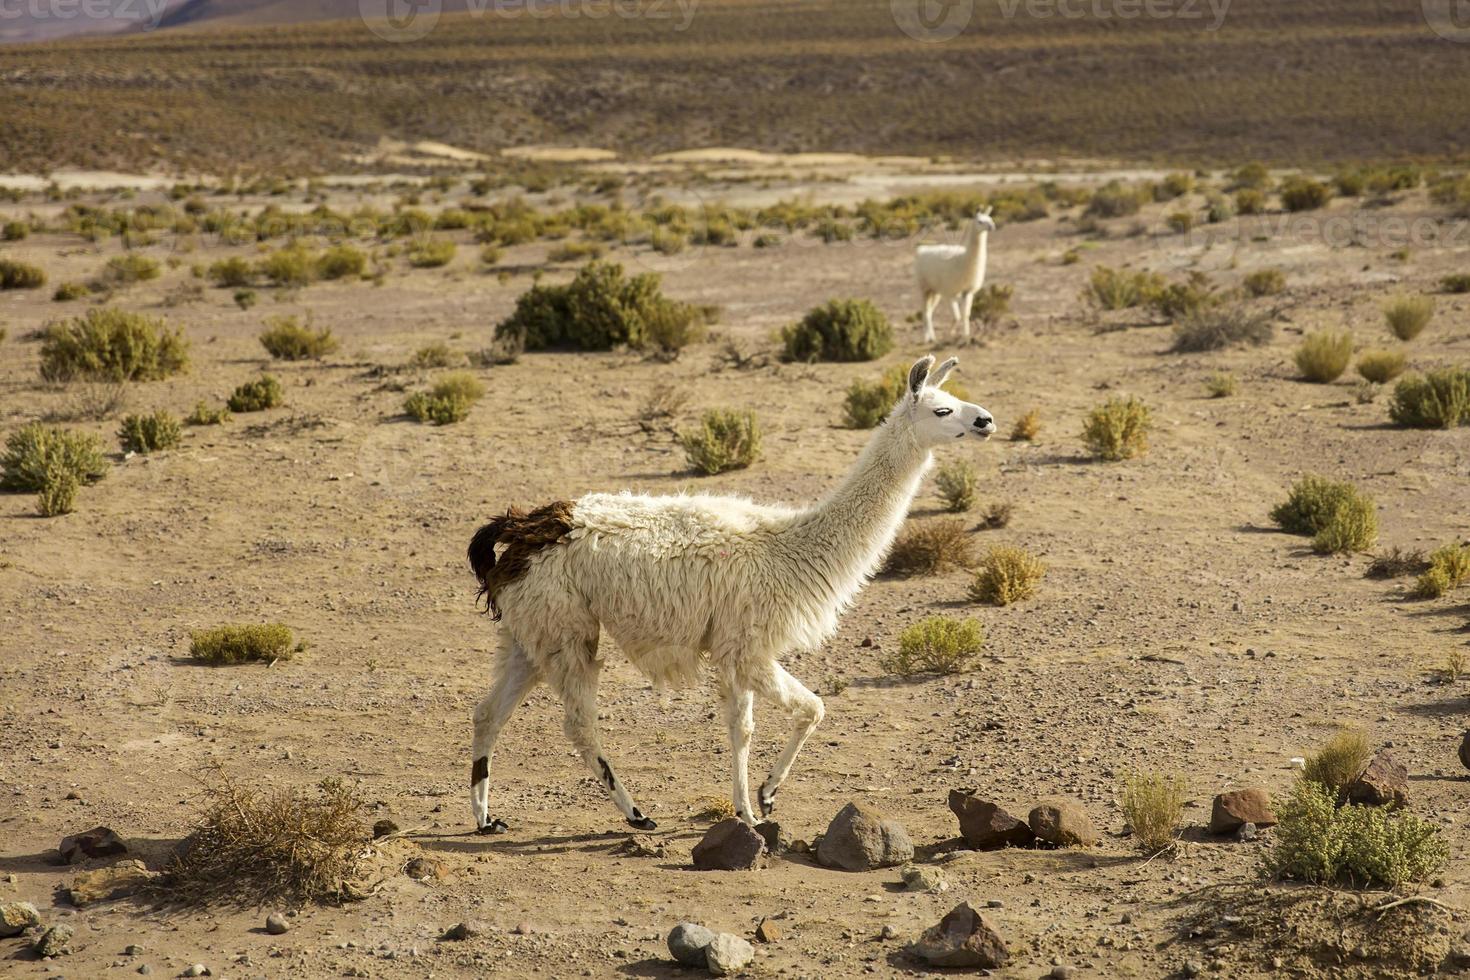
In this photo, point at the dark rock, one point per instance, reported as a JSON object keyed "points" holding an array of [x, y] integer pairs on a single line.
{"points": [[962, 939], [1064, 824], [730, 845], [778, 841], [688, 941], [383, 828], [425, 869], [96, 843], [985, 826], [1465, 751], [1238, 807], [17, 917], [461, 931], [1383, 783], [55, 941], [861, 839]]}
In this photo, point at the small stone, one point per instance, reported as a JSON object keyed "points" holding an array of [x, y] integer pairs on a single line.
{"points": [[197, 970], [917, 878], [861, 839], [888, 932], [728, 954], [688, 941], [96, 843], [468, 929], [730, 845], [145, 969], [1277, 962], [1192, 968], [383, 828], [768, 931], [1063, 824], [1061, 972], [17, 917], [778, 841], [425, 869], [962, 939], [1383, 783], [55, 941], [640, 845], [984, 825], [1246, 833], [132, 949], [523, 929], [276, 924], [1465, 750], [118, 881], [1242, 806]]}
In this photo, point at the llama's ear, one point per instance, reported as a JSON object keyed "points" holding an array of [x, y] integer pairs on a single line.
{"points": [[942, 374], [919, 373]]}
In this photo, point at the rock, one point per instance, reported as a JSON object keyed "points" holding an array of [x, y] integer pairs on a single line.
{"points": [[55, 941], [861, 839], [96, 843], [1192, 968], [1465, 750], [197, 970], [1061, 972], [688, 941], [962, 939], [730, 845], [425, 869], [917, 878], [383, 828], [641, 845], [728, 954], [1242, 806], [768, 931], [119, 881], [1246, 833], [145, 970], [778, 841], [276, 924], [469, 929], [1383, 783], [16, 918], [985, 826], [1064, 824]]}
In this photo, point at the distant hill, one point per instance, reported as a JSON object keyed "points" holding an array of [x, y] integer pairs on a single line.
{"points": [[1301, 82]]}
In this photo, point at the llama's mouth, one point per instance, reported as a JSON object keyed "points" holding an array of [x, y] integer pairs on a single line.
{"points": [[984, 436]]}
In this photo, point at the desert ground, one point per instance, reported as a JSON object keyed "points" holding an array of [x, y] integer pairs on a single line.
{"points": [[1176, 630]]}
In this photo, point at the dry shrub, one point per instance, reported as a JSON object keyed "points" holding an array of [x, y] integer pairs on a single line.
{"points": [[233, 273], [996, 516], [1118, 429], [1324, 355], [20, 275], [1027, 427], [957, 482], [1265, 282], [713, 808], [931, 547], [241, 644], [936, 645], [992, 302], [1381, 366], [1319, 842], [448, 401], [435, 355], [1437, 400], [204, 415], [1397, 563], [114, 345], [841, 330], [1407, 316], [341, 262], [1153, 805], [725, 440], [1114, 200], [432, 253], [1352, 527], [1342, 760], [1314, 502], [1304, 194], [35, 453], [1459, 282], [150, 433], [598, 310], [1179, 300], [1449, 568], [279, 845], [290, 267], [58, 494], [93, 400], [1250, 201], [1118, 289], [1007, 575], [1432, 584], [124, 270], [258, 395], [664, 401], [68, 291], [286, 339], [1219, 327], [670, 327], [1221, 384]]}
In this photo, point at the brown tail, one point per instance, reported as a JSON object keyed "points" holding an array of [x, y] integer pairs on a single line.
{"points": [[522, 535]]}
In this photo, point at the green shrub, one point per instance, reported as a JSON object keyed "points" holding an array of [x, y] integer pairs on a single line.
{"points": [[128, 268], [15, 231], [1118, 429], [58, 494], [1173, 185], [1221, 384], [68, 291], [1380, 366], [1184, 299], [1449, 568], [842, 330], [1153, 805], [245, 298], [598, 310], [1265, 282], [957, 483], [1437, 400], [35, 450], [1337, 514], [257, 396], [287, 340], [204, 415], [1431, 584], [1218, 208], [931, 547], [1457, 283], [992, 302], [291, 266], [448, 401], [937, 645], [1352, 527], [241, 644], [576, 251], [341, 262], [150, 433], [1113, 200], [1181, 221], [1300, 193], [1007, 575], [1321, 843], [1117, 289], [666, 241], [113, 345], [1252, 175], [1324, 355], [670, 327], [20, 275], [431, 253], [491, 255], [1250, 201], [725, 440], [1407, 316], [232, 273]]}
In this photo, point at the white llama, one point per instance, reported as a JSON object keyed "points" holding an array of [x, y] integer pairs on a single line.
{"points": [[681, 582], [954, 272]]}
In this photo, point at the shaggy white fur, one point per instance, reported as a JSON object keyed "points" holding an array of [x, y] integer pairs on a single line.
{"points": [[954, 272], [681, 583]]}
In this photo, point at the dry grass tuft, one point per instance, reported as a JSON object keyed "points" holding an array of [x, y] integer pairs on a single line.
{"points": [[1381, 366], [1265, 282], [936, 645], [1007, 575], [1397, 563], [1153, 805], [1221, 384], [287, 340], [1407, 316], [713, 808], [1340, 761], [1323, 356], [725, 440], [957, 482], [996, 516], [1027, 427], [1218, 327], [448, 401], [242, 644], [1118, 429], [931, 547]]}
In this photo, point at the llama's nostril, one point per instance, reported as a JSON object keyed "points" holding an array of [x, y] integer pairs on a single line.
{"points": [[984, 421]]}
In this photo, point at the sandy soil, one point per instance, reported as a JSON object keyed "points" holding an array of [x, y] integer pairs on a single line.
{"points": [[1176, 630]]}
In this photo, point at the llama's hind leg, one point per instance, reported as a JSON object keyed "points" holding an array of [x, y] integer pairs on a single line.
{"points": [[740, 718], [931, 300], [577, 683], [514, 678], [967, 303], [805, 708]]}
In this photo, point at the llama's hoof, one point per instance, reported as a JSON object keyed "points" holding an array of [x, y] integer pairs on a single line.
{"points": [[493, 827], [767, 803], [642, 823]]}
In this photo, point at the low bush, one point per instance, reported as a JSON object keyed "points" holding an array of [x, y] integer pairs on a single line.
{"points": [[436, 355], [1311, 503], [257, 396], [232, 273], [1397, 563], [1252, 175], [115, 345], [1352, 527], [1221, 384], [20, 275], [1153, 805], [1449, 568], [936, 645], [1341, 761], [1184, 299], [1304, 194], [957, 483], [1118, 429], [1118, 289], [341, 262], [1180, 221], [431, 254], [1114, 200], [150, 433], [15, 231], [1317, 841], [1250, 201], [841, 330], [35, 450], [285, 339], [1324, 355], [1407, 316], [241, 644], [1027, 427], [1007, 575], [68, 291], [1457, 283], [1173, 186], [931, 547], [448, 401], [1381, 366], [129, 268], [1265, 282], [996, 516], [725, 440], [576, 252], [204, 415], [671, 327], [598, 310], [1437, 400], [287, 267], [58, 494], [992, 303]]}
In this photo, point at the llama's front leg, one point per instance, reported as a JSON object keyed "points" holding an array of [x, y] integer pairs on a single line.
{"points": [[579, 697], [965, 306], [931, 301], [806, 709], [740, 718], [514, 679]]}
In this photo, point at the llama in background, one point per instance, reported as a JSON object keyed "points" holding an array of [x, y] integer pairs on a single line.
{"points": [[954, 272]]}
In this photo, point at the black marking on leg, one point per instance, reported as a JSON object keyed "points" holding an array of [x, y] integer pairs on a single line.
{"points": [[480, 771], [493, 827], [767, 800], [607, 774], [639, 822]]}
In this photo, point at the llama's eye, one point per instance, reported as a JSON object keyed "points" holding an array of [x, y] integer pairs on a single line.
{"points": [[942, 412]]}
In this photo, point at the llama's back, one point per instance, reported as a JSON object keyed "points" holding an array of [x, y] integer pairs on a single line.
{"points": [[938, 265]]}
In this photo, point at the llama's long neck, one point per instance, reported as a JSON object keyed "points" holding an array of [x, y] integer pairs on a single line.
{"points": [[977, 248]]}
